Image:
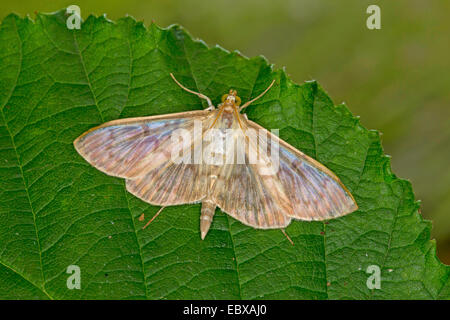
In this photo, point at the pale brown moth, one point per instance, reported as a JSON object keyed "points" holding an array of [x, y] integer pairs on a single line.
{"points": [[141, 151]]}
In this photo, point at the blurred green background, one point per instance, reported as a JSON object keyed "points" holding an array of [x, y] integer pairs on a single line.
{"points": [[397, 78]]}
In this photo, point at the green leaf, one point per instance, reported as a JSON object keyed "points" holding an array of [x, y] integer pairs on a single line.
{"points": [[56, 210]]}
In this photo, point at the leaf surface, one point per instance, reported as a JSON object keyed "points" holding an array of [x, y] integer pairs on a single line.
{"points": [[56, 210]]}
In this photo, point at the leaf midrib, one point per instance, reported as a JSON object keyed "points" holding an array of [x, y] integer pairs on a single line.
{"points": [[228, 221]]}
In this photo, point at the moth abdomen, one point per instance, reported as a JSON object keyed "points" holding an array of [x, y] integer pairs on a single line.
{"points": [[206, 216]]}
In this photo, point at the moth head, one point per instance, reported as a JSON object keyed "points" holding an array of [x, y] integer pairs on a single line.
{"points": [[231, 98]]}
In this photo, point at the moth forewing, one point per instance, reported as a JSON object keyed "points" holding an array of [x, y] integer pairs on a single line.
{"points": [[120, 147], [247, 195], [315, 192]]}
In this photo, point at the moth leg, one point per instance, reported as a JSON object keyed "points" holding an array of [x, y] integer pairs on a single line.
{"points": [[200, 95], [159, 211], [290, 240]]}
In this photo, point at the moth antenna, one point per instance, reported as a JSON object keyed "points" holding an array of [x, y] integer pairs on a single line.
{"points": [[245, 105], [200, 95], [159, 211], [290, 240]]}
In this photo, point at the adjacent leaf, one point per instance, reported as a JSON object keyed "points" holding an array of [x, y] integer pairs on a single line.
{"points": [[56, 210]]}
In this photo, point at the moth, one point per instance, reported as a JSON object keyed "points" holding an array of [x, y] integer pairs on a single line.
{"points": [[141, 150]]}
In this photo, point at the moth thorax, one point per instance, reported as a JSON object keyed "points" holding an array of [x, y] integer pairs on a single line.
{"points": [[228, 109]]}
